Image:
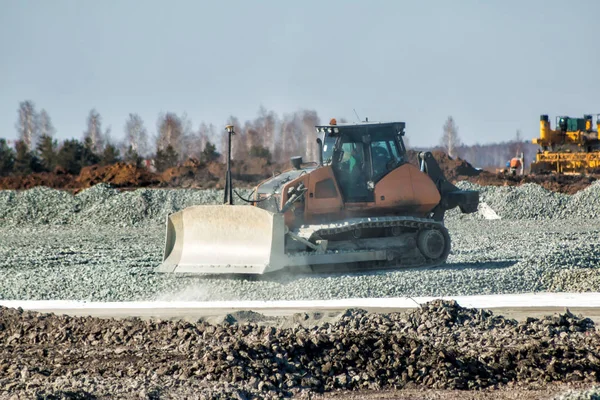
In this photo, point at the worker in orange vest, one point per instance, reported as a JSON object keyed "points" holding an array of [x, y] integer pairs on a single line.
{"points": [[515, 164]]}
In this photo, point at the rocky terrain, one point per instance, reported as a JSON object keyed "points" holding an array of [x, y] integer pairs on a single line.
{"points": [[439, 346], [102, 244]]}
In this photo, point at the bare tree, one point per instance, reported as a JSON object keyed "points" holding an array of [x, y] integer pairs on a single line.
{"points": [[44, 124], [189, 139], [94, 133], [309, 120], [136, 136], [170, 132], [196, 141], [213, 134], [291, 142], [107, 135], [252, 136], [450, 140], [205, 133], [271, 126], [516, 146], [265, 125], [27, 123]]}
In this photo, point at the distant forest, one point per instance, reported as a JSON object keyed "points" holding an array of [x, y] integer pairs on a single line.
{"points": [[270, 136]]}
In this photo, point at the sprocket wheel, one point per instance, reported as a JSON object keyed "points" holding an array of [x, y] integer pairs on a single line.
{"points": [[431, 243]]}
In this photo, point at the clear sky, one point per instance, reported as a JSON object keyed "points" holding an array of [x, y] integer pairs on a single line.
{"points": [[495, 66]]}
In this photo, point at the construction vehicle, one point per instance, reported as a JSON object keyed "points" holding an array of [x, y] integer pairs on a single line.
{"points": [[361, 206], [572, 148]]}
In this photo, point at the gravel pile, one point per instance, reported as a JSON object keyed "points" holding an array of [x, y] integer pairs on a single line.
{"points": [[104, 205], [100, 204], [584, 204], [441, 346], [36, 206], [528, 201], [103, 245], [590, 394], [531, 201]]}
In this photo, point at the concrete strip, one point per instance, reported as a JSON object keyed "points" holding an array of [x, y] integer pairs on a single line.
{"points": [[527, 300]]}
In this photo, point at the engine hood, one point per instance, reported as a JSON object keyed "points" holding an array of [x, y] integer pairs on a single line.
{"points": [[275, 184]]}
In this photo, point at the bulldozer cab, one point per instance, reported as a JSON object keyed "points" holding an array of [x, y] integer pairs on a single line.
{"points": [[361, 155]]}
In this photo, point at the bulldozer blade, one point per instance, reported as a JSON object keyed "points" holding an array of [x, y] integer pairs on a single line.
{"points": [[224, 239]]}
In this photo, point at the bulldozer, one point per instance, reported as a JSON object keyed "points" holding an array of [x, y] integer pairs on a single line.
{"points": [[573, 147], [361, 206]]}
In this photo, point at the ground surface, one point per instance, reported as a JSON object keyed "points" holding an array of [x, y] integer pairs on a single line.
{"points": [[552, 391], [103, 246], [440, 347], [103, 263]]}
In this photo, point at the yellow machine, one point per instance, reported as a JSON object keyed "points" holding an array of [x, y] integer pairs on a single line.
{"points": [[573, 147]]}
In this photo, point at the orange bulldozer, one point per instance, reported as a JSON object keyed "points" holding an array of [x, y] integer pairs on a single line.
{"points": [[360, 206]]}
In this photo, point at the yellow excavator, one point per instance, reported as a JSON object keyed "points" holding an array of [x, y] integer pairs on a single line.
{"points": [[573, 147], [361, 206]]}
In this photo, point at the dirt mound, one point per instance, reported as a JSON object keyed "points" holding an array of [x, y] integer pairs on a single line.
{"points": [[191, 174], [453, 168], [198, 175], [459, 169], [195, 174], [440, 346], [56, 180], [568, 184], [118, 175]]}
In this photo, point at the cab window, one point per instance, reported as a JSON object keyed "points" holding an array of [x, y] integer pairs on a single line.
{"points": [[351, 172], [385, 156]]}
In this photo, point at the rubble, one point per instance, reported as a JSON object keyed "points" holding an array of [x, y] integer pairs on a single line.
{"points": [[440, 346]]}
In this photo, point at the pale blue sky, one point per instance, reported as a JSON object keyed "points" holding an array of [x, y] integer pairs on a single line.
{"points": [[493, 65]]}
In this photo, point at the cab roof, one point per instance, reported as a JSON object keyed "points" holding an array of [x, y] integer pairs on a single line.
{"points": [[335, 127], [366, 124]]}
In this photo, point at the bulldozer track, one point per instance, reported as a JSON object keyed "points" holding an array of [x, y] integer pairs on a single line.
{"points": [[308, 231], [402, 260]]}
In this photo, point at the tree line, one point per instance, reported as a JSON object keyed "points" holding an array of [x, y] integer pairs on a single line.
{"points": [[269, 136], [489, 155]]}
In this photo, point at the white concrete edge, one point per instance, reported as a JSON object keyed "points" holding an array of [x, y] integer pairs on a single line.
{"points": [[527, 300]]}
